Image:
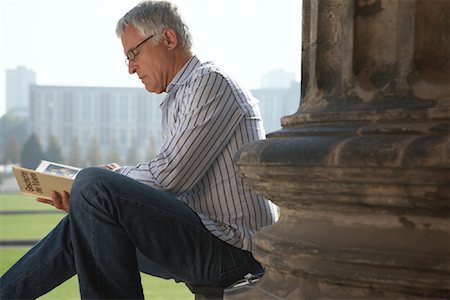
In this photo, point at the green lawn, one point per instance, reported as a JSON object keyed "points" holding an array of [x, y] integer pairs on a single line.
{"points": [[16, 201], [36, 226], [25, 227]]}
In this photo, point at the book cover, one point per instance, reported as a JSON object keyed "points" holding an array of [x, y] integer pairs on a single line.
{"points": [[47, 177]]}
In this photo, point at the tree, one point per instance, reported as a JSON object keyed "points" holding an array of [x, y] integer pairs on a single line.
{"points": [[93, 157], [32, 152], [54, 151], [113, 155], [12, 150], [133, 156], [12, 127], [74, 158]]}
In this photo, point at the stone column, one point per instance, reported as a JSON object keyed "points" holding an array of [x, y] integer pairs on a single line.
{"points": [[361, 172]]}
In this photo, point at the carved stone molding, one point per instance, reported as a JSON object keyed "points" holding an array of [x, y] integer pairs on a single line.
{"points": [[361, 172]]}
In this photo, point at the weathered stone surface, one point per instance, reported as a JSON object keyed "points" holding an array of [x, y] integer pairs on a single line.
{"points": [[362, 171]]}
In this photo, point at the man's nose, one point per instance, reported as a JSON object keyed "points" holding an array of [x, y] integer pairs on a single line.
{"points": [[131, 67]]}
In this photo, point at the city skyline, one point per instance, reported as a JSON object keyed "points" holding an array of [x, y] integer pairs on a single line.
{"points": [[21, 80], [64, 49], [274, 85], [113, 117]]}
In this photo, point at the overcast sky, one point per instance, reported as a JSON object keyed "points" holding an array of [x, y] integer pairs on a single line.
{"points": [[72, 42]]}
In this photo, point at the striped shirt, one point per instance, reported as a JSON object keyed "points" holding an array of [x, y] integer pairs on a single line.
{"points": [[206, 118]]}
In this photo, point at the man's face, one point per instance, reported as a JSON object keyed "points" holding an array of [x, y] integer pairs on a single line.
{"points": [[152, 63]]}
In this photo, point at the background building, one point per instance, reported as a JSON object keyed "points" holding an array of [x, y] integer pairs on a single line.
{"points": [[122, 124], [277, 102], [277, 79], [17, 89], [115, 118], [123, 118]]}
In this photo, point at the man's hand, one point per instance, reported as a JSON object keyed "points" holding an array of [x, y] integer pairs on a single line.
{"points": [[59, 200], [112, 166]]}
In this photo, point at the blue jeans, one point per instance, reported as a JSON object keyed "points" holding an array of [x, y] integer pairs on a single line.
{"points": [[117, 227]]}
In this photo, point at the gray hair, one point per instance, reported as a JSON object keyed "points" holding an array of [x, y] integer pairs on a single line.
{"points": [[152, 17]]}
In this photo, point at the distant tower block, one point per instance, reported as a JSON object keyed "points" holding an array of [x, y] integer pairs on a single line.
{"points": [[18, 83]]}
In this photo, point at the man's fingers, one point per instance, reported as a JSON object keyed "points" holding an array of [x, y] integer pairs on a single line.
{"points": [[65, 200], [46, 201], [112, 166], [57, 200]]}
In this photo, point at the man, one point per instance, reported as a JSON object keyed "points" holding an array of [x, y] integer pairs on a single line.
{"points": [[186, 214]]}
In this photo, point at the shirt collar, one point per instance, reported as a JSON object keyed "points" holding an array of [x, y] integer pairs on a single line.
{"points": [[183, 74]]}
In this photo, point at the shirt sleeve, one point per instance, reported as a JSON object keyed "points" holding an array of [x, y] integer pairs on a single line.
{"points": [[206, 119]]}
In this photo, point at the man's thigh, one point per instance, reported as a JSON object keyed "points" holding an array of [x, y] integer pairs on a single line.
{"points": [[170, 236]]}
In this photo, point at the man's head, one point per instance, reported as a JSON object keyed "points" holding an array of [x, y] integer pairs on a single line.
{"points": [[156, 41]]}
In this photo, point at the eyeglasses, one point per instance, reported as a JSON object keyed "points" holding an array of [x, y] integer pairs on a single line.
{"points": [[131, 54]]}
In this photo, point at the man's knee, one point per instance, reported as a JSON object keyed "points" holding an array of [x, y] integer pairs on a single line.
{"points": [[89, 181], [86, 178]]}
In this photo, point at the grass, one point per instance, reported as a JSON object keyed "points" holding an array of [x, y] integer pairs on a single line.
{"points": [[27, 227], [16, 201], [36, 226], [154, 288]]}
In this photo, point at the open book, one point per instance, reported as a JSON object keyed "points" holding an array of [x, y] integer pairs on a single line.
{"points": [[47, 177]]}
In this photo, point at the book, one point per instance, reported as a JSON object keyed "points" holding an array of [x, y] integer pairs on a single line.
{"points": [[48, 176]]}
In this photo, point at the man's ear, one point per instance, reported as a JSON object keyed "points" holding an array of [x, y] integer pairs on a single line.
{"points": [[170, 38]]}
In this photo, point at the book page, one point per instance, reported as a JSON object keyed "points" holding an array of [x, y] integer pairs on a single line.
{"points": [[57, 169]]}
